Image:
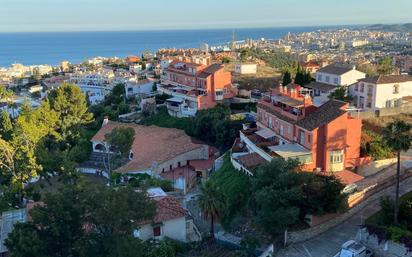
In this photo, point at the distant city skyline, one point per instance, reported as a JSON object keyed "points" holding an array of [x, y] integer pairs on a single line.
{"points": [[109, 15]]}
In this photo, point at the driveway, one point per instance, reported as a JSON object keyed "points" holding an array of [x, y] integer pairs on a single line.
{"points": [[328, 243]]}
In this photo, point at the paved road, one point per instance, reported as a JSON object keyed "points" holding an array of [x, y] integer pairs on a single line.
{"points": [[328, 243]]}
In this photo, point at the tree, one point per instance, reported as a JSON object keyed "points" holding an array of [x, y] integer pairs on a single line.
{"points": [[69, 102], [6, 127], [385, 66], [119, 142], [341, 94], [244, 54], [284, 195], [83, 220], [287, 78], [211, 204], [398, 137]]}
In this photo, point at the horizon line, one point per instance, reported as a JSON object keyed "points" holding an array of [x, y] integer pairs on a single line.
{"points": [[210, 28]]}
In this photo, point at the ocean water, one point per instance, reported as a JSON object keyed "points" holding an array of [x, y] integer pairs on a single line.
{"points": [[53, 47]]}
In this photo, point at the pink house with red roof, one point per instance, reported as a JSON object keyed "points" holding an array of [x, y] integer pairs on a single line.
{"points": [[195, 87]]}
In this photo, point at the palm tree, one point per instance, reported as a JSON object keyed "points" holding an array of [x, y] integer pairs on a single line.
{"points": [[211, 205], [398, 137]]}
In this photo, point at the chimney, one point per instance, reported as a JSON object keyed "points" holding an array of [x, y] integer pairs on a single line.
{"points": [[105, 120]]}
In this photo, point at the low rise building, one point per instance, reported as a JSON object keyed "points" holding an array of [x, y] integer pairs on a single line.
{"points": [[245, 68], [195, 87], [324, 138], [374, 93]]}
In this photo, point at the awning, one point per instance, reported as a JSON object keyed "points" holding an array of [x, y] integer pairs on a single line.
{"points": [[175, 100], [265, 133], [289, 150]]}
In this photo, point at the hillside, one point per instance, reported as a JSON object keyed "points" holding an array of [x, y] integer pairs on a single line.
{"points": [[407, 27]]}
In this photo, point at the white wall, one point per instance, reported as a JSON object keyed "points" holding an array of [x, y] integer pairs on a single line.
{"points": [[174, 229], [345, 79]]}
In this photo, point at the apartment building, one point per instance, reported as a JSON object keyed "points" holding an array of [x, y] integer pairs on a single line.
{"points": [[195, 87], [378, 92], [324, 138], [329, 78]]}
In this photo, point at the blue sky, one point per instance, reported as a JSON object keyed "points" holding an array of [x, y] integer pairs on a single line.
{"points": [[83, 15]]}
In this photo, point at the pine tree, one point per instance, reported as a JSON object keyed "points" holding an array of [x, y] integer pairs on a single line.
{"points": [[6, 127]]}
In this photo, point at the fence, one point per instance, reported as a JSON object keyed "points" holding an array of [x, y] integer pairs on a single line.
{"points": [[382, 112]]}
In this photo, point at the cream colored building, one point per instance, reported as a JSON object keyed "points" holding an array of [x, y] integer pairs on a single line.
{"points": [[338, 76], [374, 93], [245, 68]]}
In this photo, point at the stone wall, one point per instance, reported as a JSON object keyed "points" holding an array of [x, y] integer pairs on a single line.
{"points": [[378, 192], [375, 167], [386, 248]]}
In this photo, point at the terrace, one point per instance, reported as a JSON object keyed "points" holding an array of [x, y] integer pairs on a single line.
{"points": [[284, 107]]}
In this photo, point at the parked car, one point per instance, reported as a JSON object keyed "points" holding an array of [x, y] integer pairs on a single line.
{"points": [[354, 249]]}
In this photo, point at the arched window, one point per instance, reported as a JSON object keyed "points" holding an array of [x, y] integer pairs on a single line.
{"points": [[100, 147], [131, 155]]}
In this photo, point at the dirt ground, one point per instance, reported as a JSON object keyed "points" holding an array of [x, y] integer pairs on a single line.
{"points": [[378, 124]]}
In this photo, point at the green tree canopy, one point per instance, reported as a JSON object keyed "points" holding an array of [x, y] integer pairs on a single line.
{"points": [[83, 220], [6, 127], [385, 66], [121, 139]]}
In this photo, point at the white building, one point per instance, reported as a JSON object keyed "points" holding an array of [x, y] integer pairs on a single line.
{"points": [[170, 221], [329, 78], [378, 92], [245, 68], [134, 88]]}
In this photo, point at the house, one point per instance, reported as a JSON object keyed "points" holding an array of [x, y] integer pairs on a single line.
{"points": [[195, 87], [160, 152], [311, 66], [141, 87], [7, 220], [170, 221], [324, 138], [245, 68], [374, 93], [329, 78]]}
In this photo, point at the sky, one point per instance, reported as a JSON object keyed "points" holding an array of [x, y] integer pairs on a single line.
{"points": [[108, 15]]}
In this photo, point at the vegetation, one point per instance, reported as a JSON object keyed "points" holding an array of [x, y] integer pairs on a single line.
{"points": [[287, 78], [278, 197], [87, 220], [382, 223], [374, 145], [211, 204], [398, 137], [275, 58], [341, 94], [385, 66], [213, 125]]}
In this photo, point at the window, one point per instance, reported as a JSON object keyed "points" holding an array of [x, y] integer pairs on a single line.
{"points": [[170, 167], [336, 156], [270, 122], [289, 130], [219, 93], [356, 87], [396, 89], [281, 130], [157, 231], [178, 164], [319, 77], [362, 87], [301, 137], [335, 80], [327, 78], [308, 138], [370, 89]]}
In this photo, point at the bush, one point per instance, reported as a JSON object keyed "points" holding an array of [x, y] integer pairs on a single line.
{"points": [[374, 145]]}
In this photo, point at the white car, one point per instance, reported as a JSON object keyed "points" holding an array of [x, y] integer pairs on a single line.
{"points": [[353, 249]]}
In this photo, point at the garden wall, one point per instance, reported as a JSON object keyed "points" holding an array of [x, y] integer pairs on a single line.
{"points": [[375, 167], [332, 220], [386, 248]]}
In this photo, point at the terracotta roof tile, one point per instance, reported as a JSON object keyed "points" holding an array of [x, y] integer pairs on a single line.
{"points": [[151, 144], [387, 79], [335, 69], [167, 208], [348, 177], [251, 160]]}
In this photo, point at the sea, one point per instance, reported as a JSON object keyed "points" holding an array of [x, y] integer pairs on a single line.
{"points": [[33, 48]]}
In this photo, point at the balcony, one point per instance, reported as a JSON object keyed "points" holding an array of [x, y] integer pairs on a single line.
{"points": [[291, 114]]}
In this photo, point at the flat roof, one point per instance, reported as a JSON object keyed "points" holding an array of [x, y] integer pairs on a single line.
{"points": [[265, 133], [287, 100], [289, 150], [175, 99]]}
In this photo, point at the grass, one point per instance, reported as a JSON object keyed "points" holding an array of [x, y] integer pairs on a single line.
{"points": [[378, 124]]}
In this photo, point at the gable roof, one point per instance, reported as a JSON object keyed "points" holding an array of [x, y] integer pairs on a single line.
{"points": [[151, 144], [335, 69], [387, 79], [323, 115], [167, 208], [209, 70]]}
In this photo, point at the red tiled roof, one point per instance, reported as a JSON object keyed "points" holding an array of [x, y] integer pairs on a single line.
{"points": [[202, 164], [167, 208], [251, 160], [151, 144], [181, 172], [348, 177]]}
